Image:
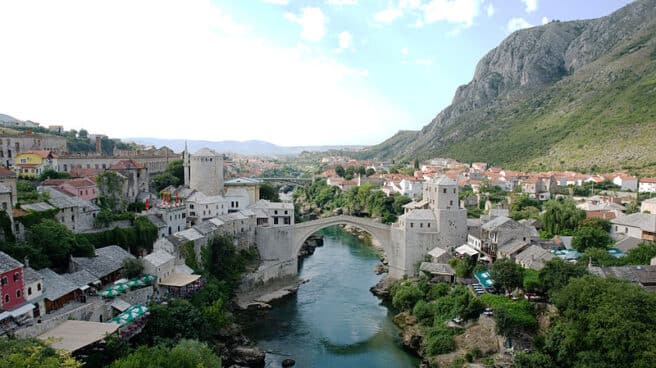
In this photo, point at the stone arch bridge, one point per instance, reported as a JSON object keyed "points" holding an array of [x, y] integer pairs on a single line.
{"points": [[303, 230]]}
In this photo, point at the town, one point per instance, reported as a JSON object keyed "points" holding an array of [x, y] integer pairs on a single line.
{"points": [[92, 240]]}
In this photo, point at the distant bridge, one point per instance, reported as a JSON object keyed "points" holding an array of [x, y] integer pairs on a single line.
{"points": [[295, 181]]}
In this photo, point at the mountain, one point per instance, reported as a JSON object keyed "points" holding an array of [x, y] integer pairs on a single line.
{"points": [[252, 147], [8, 119], [573, 94]]}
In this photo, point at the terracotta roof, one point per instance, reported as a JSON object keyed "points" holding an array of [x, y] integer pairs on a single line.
{"points": [[648, 180], [41, 153], [127, 165], [6, 172]]}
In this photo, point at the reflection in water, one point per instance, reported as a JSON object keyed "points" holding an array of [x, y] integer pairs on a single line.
{"points": [[333, 320]]}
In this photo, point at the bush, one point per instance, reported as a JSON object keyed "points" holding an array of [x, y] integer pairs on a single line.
{"points": [[439, 340], [437, 291], [406, 296], [424, 313]]}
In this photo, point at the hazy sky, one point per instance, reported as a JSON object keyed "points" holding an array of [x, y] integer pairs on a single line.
{"points": [[292, 72]]}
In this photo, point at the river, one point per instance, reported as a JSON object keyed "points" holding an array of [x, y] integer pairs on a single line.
{"points": [[333, 320]]}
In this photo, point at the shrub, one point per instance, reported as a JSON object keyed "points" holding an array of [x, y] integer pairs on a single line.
{"points": [[424, 313], [406, 296]]}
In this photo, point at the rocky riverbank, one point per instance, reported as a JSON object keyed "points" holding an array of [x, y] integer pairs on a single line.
{"points": [[308, 247]]}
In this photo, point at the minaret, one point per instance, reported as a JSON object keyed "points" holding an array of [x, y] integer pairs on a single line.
{"points": [[186, 161]]}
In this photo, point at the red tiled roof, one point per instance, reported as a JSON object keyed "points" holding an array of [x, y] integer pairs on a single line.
{"points": [[41, 153], [127, 165], [648, 180], [6, 172]]}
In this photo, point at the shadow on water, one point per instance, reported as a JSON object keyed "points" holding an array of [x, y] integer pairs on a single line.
{"points": [[333, 320]]}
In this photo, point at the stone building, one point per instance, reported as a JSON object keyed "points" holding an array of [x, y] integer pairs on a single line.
{"points": [[11, 145], [203, 171], [136, 176]]}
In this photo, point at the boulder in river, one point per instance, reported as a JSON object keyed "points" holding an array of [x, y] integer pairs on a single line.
{"points": [[248, 356], [288, 363]]}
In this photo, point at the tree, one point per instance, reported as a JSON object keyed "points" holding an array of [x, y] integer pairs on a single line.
{"points": [[590, 237], [176, 168], [83, 133], [268, 192], [602, 323], [52, 174], [175, 320], [370, 171], [557, 273], [164, 180], [507, 274], [185, 354], [110, 191], [562, 217], [28, 353], [339, 170], [146, 235], [53, 239], [406, 295], [641, 255], [132, 267]]}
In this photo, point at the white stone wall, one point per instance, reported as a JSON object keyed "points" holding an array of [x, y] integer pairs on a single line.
{"points": [[275, 243], [206, 174], [618, 232]]}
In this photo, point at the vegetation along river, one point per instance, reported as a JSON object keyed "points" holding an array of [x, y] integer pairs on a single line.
{"points": [[333, 320]]}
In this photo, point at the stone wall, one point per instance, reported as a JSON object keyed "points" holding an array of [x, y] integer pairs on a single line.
{"points": [[79, 313]]}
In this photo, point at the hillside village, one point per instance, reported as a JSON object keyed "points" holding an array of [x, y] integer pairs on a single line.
{"points": [[455, 222]]}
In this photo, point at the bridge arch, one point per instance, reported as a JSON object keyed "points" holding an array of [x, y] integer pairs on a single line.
{"points": [[303, 230]]}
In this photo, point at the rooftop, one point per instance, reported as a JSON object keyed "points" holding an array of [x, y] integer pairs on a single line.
{"points": [[30, 276], [437, 268], [497, 222], [107, 260], [420, 214], [179, 280], [74, 335], [7, 263], [644, 221], [158, 258], [38, 207], [55, 284]]}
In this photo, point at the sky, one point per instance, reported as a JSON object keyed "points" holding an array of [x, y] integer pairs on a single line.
{"points": [[290, 72]]}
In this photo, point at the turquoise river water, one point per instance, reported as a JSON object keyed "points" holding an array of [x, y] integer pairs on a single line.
{"points": [[333, 320]]}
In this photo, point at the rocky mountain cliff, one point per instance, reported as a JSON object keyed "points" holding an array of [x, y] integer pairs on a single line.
{"points": [[566, 94]]}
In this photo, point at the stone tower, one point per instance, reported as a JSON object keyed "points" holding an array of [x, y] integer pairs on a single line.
{"points": [[451, 219], [206, 172]]}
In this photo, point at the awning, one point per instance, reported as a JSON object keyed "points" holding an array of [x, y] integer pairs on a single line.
{"points": [[484, 278], [179, 280], [21, 310], [130, 315], [73, 335], [120, 304], [466, 249]]}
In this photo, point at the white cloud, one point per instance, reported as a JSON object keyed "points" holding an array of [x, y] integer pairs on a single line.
{"points": [[404, 51], [490, 10], [276, 2], [531, 5], [461, 12], [545, 20], [345, 40], [181, 73], [341, 2], [516, 24], [388, 15], [313, 22]]}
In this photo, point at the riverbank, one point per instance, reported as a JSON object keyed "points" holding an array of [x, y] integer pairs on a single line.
{"points": [[333, 319], [475, 342]]}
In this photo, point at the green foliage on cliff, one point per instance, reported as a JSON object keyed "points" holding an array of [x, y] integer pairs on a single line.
{"points": [[184, 354], [28, 353]]}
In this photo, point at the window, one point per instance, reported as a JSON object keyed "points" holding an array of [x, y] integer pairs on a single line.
{"points": [[275, 221], [16, 276], [421, 224], [412, 224], [286, 212], [6, 298], [18, 294], [454, 190], [450, 203], [428, 225], [4, 281], [444, 190], [29, 291], [275, 212]]}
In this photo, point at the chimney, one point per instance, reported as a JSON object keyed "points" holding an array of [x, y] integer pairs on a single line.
{"points": [[27, 262], [98, 144]]}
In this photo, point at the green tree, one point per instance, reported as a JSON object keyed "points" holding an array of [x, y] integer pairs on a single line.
{"points": [[185, 354], [267, 191], [175, 320], [406, 295], [641, 255], [590, 237], [164, 180], [146, 235], [29, 353], [83, 133], [557, 273], [132, 267], [561, 217], [533, 360], [176, 168], [507, 274], [603, 323], [110, 191], [339, 170], [54, 239], [52, 174], [370, 171]]}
